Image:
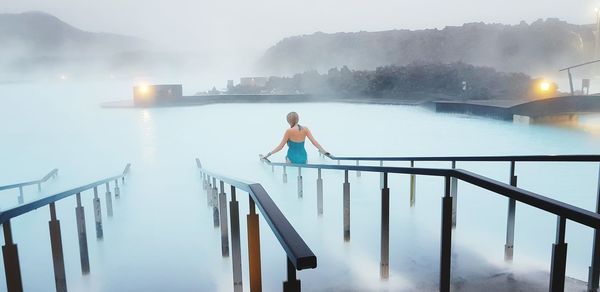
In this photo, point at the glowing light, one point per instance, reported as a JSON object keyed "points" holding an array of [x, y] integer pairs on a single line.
{"points": [[143, 88], [545, 86], [63, 77]]}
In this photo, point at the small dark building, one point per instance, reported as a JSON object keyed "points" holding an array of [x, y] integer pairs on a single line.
{"points": [[149, 95]]}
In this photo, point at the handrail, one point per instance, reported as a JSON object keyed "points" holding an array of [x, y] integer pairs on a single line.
{"points": [[6, 215], [574, 213], [451, 176], [524, 158], [51, 174], [300, 255]]}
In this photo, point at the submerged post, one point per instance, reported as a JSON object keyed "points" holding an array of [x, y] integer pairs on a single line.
{"points": [[236, 260], [215, 203], [412, 185], [299, 182], [510, 220], [559, 257], [10, 254], [98, 215], [384, 271], [21, 198], [284, 175], [82, 235], [117, 190], [319, 193], [223, 220], [292, 284], [446, 238], [594, 271], [57, 251], [254, 248], [454, 193], [346, 203], [208, 191], [358, 171], [109, 208]]}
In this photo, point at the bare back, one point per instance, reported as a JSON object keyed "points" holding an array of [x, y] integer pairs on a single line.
{"points": [[297, 133]]}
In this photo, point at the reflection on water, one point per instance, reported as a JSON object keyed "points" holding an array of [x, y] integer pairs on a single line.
{"points": [[148, 135]]}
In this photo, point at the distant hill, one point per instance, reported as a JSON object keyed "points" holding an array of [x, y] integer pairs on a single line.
{"points": [[531, 48], [36, 42]]}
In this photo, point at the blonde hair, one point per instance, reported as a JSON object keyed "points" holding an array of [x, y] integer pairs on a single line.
{"points": [[292, 118]]}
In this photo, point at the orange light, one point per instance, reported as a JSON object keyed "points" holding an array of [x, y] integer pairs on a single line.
{"points": [[545, 86]]}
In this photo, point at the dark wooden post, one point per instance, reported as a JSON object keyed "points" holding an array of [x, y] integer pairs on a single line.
{"points": [[82, 235], [254, 249], [12, 269], [57, 251]]}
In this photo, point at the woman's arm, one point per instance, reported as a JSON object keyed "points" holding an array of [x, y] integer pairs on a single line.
{"points": [[314, 141], [280, 146]]}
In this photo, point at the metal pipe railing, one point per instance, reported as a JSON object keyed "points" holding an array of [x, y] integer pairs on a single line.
{"points": [[562, 210], [594, 269], [10, 252], [299, 255], [52, 174]]}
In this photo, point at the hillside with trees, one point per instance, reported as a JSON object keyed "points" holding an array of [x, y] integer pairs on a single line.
{"points": [[542, 46]]}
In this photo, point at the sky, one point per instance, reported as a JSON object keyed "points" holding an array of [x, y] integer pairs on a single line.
{"points": [[253, 26]]}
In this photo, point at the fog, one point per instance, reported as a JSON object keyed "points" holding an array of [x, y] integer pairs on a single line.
{"points": [[162, 238], [228, 37]]}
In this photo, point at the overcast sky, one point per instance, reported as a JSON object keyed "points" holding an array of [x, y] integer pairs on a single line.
{"points": [[256, 25]]}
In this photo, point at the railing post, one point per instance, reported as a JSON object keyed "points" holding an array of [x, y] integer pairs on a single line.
{"points": [[10, 254], [510, 220], [381, 175], [358, 171], [346, 207], [57, 251], [559, 258], [203, 181], [215, 203], [254, 248], [208, 191], [236, 253], [98, 214], [82, 235], [292, 284], [284, 175], [319, 193], [39, 185], [384, 271], [594, 270], [223, 220], [412, 186], [21, 198], [454, 194], [299, 182], [117, 190], [446, 238], [109, 208]]}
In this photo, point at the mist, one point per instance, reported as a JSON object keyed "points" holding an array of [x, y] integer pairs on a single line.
{"points": [[210, 42]]}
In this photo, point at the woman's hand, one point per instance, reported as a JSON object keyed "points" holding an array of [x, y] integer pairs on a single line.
{"points": [[262, 157]]}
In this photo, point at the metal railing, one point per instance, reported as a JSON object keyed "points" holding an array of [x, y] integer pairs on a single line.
{"points": [[299, 255], [594, 269], [52, 174], [10, 252], [562, 210]]}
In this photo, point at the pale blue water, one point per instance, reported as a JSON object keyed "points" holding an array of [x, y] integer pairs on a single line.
{"points": [[161, 237]]}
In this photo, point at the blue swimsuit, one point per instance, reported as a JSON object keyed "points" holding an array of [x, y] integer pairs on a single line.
{"points": [[296, 153]]}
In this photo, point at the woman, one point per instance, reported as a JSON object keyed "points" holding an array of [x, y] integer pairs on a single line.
{"points": [[294, 137]]}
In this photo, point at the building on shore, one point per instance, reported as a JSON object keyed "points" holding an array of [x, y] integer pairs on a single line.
{"points": [[253, 81], [145, 95]]}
